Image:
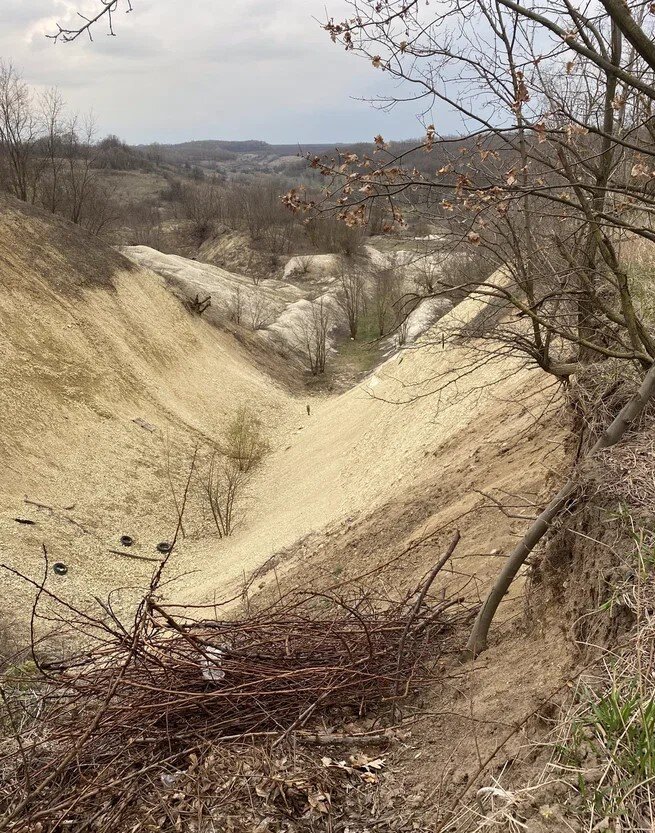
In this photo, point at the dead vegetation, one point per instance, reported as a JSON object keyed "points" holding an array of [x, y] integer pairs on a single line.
{"points": [[312, 334], [628, 475], [70, 260], [593, 770], [199, 305], [624, 474], [202, 721], [604, 748]]}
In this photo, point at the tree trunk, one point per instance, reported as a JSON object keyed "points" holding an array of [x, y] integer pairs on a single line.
{"points": [[611, 436]]}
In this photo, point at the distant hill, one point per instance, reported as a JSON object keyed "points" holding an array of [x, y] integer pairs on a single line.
{"points": [[217, 150], [253, 156]]}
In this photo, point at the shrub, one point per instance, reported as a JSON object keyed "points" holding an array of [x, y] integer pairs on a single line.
{"points": [[245, 442], [241, 449]]}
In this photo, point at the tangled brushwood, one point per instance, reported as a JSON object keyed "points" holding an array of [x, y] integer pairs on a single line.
{"points": [[628, 473], [598, 394], [624, 473], [199, 724]]}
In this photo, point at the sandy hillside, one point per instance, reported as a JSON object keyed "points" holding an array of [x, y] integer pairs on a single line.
{"points": [[207, 279], [392, 434], [91, 342], [280, 312], [277, 313]]}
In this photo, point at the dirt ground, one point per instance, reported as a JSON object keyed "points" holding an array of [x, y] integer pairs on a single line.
{"points": [[80, 370], [483, 719]]}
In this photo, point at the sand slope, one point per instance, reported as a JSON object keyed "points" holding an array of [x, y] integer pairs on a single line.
{"points": [[373, 444], [90, 342]]}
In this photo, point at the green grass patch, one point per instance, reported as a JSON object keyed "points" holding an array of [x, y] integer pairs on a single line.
{"points": [[363, 354]]}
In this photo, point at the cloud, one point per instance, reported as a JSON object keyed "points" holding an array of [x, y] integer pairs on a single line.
{"points": [[255, 69]]}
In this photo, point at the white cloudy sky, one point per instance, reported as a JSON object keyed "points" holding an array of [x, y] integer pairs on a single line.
{"points": [[192, 69]]}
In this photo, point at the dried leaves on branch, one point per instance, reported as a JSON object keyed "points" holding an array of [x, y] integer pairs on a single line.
{"points": [[552, 176], [108, 734], [552, 173]]}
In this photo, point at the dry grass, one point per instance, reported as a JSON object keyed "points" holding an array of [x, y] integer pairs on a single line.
{"points": [[600, 756], [639, 256], [624, 473], [599, 393], [606, 744], [68, 258]]}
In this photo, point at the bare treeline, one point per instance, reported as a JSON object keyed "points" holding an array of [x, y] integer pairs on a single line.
{"points": [[254, 205], [49, 157]]}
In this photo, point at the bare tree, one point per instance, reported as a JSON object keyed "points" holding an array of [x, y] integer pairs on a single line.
{"points": [[534, 144], [105, 11], [48, 160], [313, 332], [86, 200], [235, 307], [427, 269], [350, 295], [259, 310], [326, 234], [386, 293], [242, 448], [101, 211], [145, 225], [223, 485], [204, 204], [19, 133], [403, 331], [253, 270], [245, 443], [303, 265], [554, 175], [52, 107]]}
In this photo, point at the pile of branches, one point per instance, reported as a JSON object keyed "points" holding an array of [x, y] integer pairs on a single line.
{"points": [[110, 722]]}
